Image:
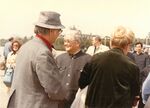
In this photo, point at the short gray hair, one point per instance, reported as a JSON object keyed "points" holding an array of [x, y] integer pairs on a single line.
{"points": [[41, 30], [73, 35]]}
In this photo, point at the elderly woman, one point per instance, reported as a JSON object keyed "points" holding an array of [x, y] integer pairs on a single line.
{"points": [[11, 58], [112, 79]]}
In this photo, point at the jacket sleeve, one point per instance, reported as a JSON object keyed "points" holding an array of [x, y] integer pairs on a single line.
{"points": [[49, 76], [146, 89], [135, 82], [84, 76]]}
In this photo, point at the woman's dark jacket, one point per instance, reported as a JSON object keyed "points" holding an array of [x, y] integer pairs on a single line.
{"points": [[113, 80]]}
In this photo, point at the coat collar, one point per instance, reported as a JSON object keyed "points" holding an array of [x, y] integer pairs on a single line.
{"points": [[75, 55], [48, 44], [119, 50]]}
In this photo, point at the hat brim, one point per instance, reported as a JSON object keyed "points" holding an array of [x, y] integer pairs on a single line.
{"points": [[49, 26]]}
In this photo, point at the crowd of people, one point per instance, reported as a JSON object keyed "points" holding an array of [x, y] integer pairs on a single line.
{"points": [[114, 76]]}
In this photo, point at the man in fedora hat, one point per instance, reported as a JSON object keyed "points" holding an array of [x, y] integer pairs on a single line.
{"points": [[37, 81]]}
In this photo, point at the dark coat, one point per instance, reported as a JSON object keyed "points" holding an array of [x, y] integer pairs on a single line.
{"points": [[71, 67], [143, 61], [37, 81], [113, 80]]}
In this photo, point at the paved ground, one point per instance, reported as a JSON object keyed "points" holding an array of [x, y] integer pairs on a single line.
{"points": [[3, 94]]}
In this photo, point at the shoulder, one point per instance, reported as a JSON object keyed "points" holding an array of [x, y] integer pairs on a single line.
{"points": [[104, 46], [85, 56], [10, 53], [62, 56], [90, 47], [34, 49]]}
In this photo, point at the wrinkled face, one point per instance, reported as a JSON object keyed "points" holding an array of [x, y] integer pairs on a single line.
{"points": [[15, 46], [71, 46]]}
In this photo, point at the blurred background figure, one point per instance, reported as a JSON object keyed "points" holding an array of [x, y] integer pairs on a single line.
{"points": [[97, 46], [71, 64], [7, 47], [142, 60], [11, 58]]}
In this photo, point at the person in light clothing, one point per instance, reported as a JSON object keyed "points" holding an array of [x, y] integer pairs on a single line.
{"points": [[97, 46], [11, 58]]}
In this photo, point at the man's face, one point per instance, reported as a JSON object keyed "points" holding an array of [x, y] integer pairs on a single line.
{"points": [[54, 34], [71, 46], [138, 48], [93, 41]]}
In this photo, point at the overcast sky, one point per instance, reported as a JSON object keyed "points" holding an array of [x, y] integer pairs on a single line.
{"points": [[90, 16]]}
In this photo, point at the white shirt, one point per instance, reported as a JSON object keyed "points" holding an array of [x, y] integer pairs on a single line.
{"points": [[91, 50]]}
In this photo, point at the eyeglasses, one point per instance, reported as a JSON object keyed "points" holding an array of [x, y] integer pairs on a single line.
{"points": [[60, 31]]}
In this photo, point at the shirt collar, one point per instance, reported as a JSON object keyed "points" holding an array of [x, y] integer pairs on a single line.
{"points": [[75, 54]]}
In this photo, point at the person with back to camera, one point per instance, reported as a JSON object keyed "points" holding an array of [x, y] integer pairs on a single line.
{"points": [[112, 78], [37, 80], [71, 63]]}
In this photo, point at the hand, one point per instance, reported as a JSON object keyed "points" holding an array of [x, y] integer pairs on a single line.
{"points": [[135, 101]]}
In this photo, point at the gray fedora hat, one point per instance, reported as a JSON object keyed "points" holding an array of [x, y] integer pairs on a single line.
{"points": [[49, 19]]}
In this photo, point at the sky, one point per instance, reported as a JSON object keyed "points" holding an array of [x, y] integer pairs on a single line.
{"points": [[98, 17]]}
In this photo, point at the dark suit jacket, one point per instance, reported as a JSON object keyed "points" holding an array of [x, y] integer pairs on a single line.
{"points": [[113, 80], [71, 67]]}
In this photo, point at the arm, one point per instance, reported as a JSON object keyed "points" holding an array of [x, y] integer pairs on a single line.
{"points": [[84, 77], [146, 89], [49, 76], [135, 87]]}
